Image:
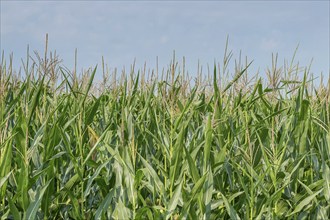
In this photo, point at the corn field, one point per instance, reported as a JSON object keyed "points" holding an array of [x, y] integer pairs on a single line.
{"points": [[162, 145]]}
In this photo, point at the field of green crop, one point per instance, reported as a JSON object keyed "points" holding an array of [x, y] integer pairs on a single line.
{"points": [[162, 145]]}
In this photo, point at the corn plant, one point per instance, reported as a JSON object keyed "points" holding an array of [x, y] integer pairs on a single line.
{"points": [[163, 147]]}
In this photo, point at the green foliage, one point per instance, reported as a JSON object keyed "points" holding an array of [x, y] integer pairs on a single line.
{"points": [[162, 149]]}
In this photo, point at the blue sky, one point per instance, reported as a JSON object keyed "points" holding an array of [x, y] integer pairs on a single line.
{"points": [[143, 30]]}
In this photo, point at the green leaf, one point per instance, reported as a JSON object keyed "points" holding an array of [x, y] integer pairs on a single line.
{"points": [[4, 179], [35, 99], [89, 84], [236, 78], [34, 206], [230, 209], [95, 174], [326, 177], [153, 174], [13, 210], [174, 200], [192, 167], [304, 202], [207, 146], [104, 205]]}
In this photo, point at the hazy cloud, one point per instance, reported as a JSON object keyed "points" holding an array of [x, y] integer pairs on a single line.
{"points": [[269, 44], [122, 31]]}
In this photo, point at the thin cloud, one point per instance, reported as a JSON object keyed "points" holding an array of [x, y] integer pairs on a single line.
{"points": [[269, 44], [122, 31]]}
